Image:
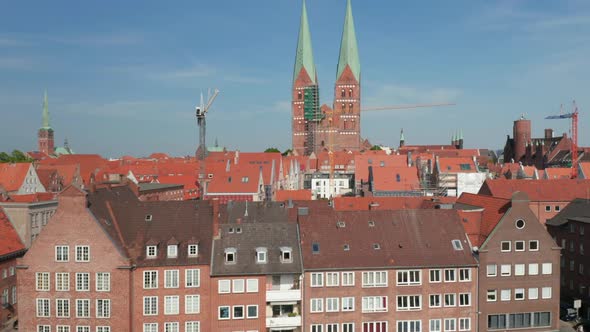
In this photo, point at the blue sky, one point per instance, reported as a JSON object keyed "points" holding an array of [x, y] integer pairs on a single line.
{"points": [[123, 77]]}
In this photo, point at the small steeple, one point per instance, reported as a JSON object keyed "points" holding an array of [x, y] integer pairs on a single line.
{"points": [[45, 112], [304, 54], [402, 139], [349, 54]]}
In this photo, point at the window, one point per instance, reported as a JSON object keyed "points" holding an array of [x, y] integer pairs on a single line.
{"points": [[252, 285], [103, 282], [456, 244], [103, 308], [533, 269], [62, 281], [13, 295], [4, 297], [238, 312], [505, 295], [435, 276], [374, 304], [151, 251], [347, 278], [238, 285], [261, 255], [332, 279], [82, 282], [171, 305], [193, 250], [103, 329], [572, 264], [519, 294], [546, 268], [547, 208], [464, 324], [435, 325], [11, 271], [171, 327], [409, 326], [286, 256], [192, 278], [348, 304], [435, 301], [581, 269], [450, 300], [533, 293], [317, 279], [505, 270], [82, 254], [224, 286], [464, 274], [491, 270], [150, 279], [546, 292], [375, 279], [496, 322], [450, 275], [464, 299], [252, 311], [192, 326], [518, 245], [315, 248], [230, 256], [408, 278], [172, 251], [43, 328], [519, 224], [150, 327], [62, 328], [192, 304], [375, 326], [332, 304], [82, 308], [317, 305], [171, 279], [450, 324], [62, 253], [492, 295], [347, 327], [42, 281], [317, 327], [62, 308], [518, 269], [505, 246], [82, 328], [150, 305], [409, 302], [43, 308]]}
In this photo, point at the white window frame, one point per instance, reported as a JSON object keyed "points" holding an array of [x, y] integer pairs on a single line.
{"points": [[171, 278], [450, 296], [81, 281], [171, 305], [190, 250], [172, 251], [238, 286], [80, 256], [332, 279], [462, 297], [67, 253], [261, 255], [332, 304], [82, 308], [450, 324], [464, 324], [407, 304], [150, 305], [347, 278], [153, 278], [519, 269], [533, 293], [493, 292], [521, 292], [502, 245], [489, 267], [410, 276], [192, 326], [64, 285], [65, 308], [248, 311], [251, 285], [505, 270], [369, 279], [464, 274], [348, 303], [150, 327], [189, 304], [317, 279], [516, 245], [316, 305], [374, 304], [106, 310], [434, 296], [435, 325], [148, 254], [546, 293], [533, 269], [191, 275], [437, 275], [224, 286], [103, 281], [533, 241], [41, 303], [42, 279], [505, 295], [547, 268], [233, 312]]}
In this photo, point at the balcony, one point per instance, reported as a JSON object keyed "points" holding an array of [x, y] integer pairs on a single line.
{"points": [[291, 295], [284, 288], [283, 322]]}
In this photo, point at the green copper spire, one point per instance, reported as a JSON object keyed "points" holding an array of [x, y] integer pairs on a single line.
{"points": [[304, 55], [45, 113], [349, 53], [401, 136], [460, 133]]}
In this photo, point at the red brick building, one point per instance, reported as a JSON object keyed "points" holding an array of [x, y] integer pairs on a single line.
{"points": [[11, 247]]}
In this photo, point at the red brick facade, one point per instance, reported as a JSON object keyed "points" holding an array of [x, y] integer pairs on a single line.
{"points": [[8, 291]]}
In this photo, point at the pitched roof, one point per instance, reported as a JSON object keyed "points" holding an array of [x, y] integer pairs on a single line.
{"points": [[32, 198], [456, 165], [578, 210], [480, 215], [558, 173], [349, 53], [285, 195], [585, 169], [363, 161], [396, 179], [389, 203], [12, 175], [401, 238], [559, 190], [10, 242], [304, 52]]}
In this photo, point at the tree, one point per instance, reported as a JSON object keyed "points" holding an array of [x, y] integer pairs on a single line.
{"points": [[376, 147], [4, 157], [287, 152], [272, 150], [16, 156]]}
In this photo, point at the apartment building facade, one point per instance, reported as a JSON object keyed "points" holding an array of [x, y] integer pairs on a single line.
{"points": [[11, 248]]}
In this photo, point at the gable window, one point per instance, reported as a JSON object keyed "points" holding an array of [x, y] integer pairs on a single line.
{"points": [[519, 224], [82, 253], [286, 255], [151, 251], [519, 246], [261, 255], [62, 253], [172, 251], [547, 208], [230, 255], [534, 245], [505, 246], [193, 250]]}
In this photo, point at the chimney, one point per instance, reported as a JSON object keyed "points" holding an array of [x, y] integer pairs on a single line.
{"points": [[237, 157], [409, 158], [548, 133], [215, 203]]}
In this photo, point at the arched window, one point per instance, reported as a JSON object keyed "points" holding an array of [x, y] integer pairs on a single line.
{"points": [[299, 95], [350, 108], [343, 107], [350, 92], [342, 93]]}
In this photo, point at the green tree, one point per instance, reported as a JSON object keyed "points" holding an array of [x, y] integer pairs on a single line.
{"points": [[272, 150], [287, 152], [4, 157], [376, 147], [19, 157]]}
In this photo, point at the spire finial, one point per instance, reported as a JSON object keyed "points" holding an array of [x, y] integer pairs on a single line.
{"points": [[349, 54], [304, 53]]}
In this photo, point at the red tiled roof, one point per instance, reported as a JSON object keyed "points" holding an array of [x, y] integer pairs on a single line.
{"points": [[296, 195], [478, 227], [559, 190], [89, 163], [67, 172], [558, 173], [585, 168], [361, 162], [232, 181], [32, 198], [9, 240], [395, 178], [453, 165], [389, 203], [12, 176]]}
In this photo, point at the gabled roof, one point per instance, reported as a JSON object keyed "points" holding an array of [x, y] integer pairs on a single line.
{"points": [[363, 161], [559, 190], [395, 179], [10, 242], [553, 173], [480, 215], [380, 239], [67, 172], [237, 180], [578, 210], [12, 175], [456, 165]]}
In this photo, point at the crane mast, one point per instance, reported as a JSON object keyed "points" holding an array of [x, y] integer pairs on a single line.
{"points": [[201, 114], [574, 131]]}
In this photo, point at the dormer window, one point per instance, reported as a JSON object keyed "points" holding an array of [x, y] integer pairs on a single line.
{"points": [[230, 256], [172, 251], [286, 255], [238, 230], [261, 255], [193, 250], [148, 217], [151, 251], [230, 230]]}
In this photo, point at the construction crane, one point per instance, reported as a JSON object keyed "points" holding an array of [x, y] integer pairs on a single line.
{"points": [[201, 113], [331, 130], [574, 132]]}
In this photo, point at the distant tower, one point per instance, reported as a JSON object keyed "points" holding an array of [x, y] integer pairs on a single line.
{"points": [[305, 105], [522, 135], [402, 140], [460, 145], [347, 92], [45, 134]]}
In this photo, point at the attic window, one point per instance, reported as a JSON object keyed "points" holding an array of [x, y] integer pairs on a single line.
{"points": [[346, 247], [261, 255], [230, 255], [229, 179], [172, 251], [341, 224], [245, 179], [148, 217], [371, 223], [238, 230], [465, 167], [398, 178], [230, 230], [520, 224], [193, 250], [286, 256], [151, 251], [315, 248], [210, 175], [457, 245], [382, 163], [376, 246], [370, 161]]}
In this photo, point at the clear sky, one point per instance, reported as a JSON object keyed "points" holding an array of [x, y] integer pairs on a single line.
{"points": [[123, 77]]}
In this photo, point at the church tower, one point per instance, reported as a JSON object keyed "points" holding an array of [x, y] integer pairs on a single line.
{"points": [[45, 135], [305, 95], [347, 92]]}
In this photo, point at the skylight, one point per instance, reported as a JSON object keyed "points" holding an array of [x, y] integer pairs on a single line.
{"points": [[457, 245]]}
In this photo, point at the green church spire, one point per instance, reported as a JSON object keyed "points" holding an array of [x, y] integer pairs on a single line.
{"points": [[349, 53], [401, 136], [45, 113], [304, 55]]}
